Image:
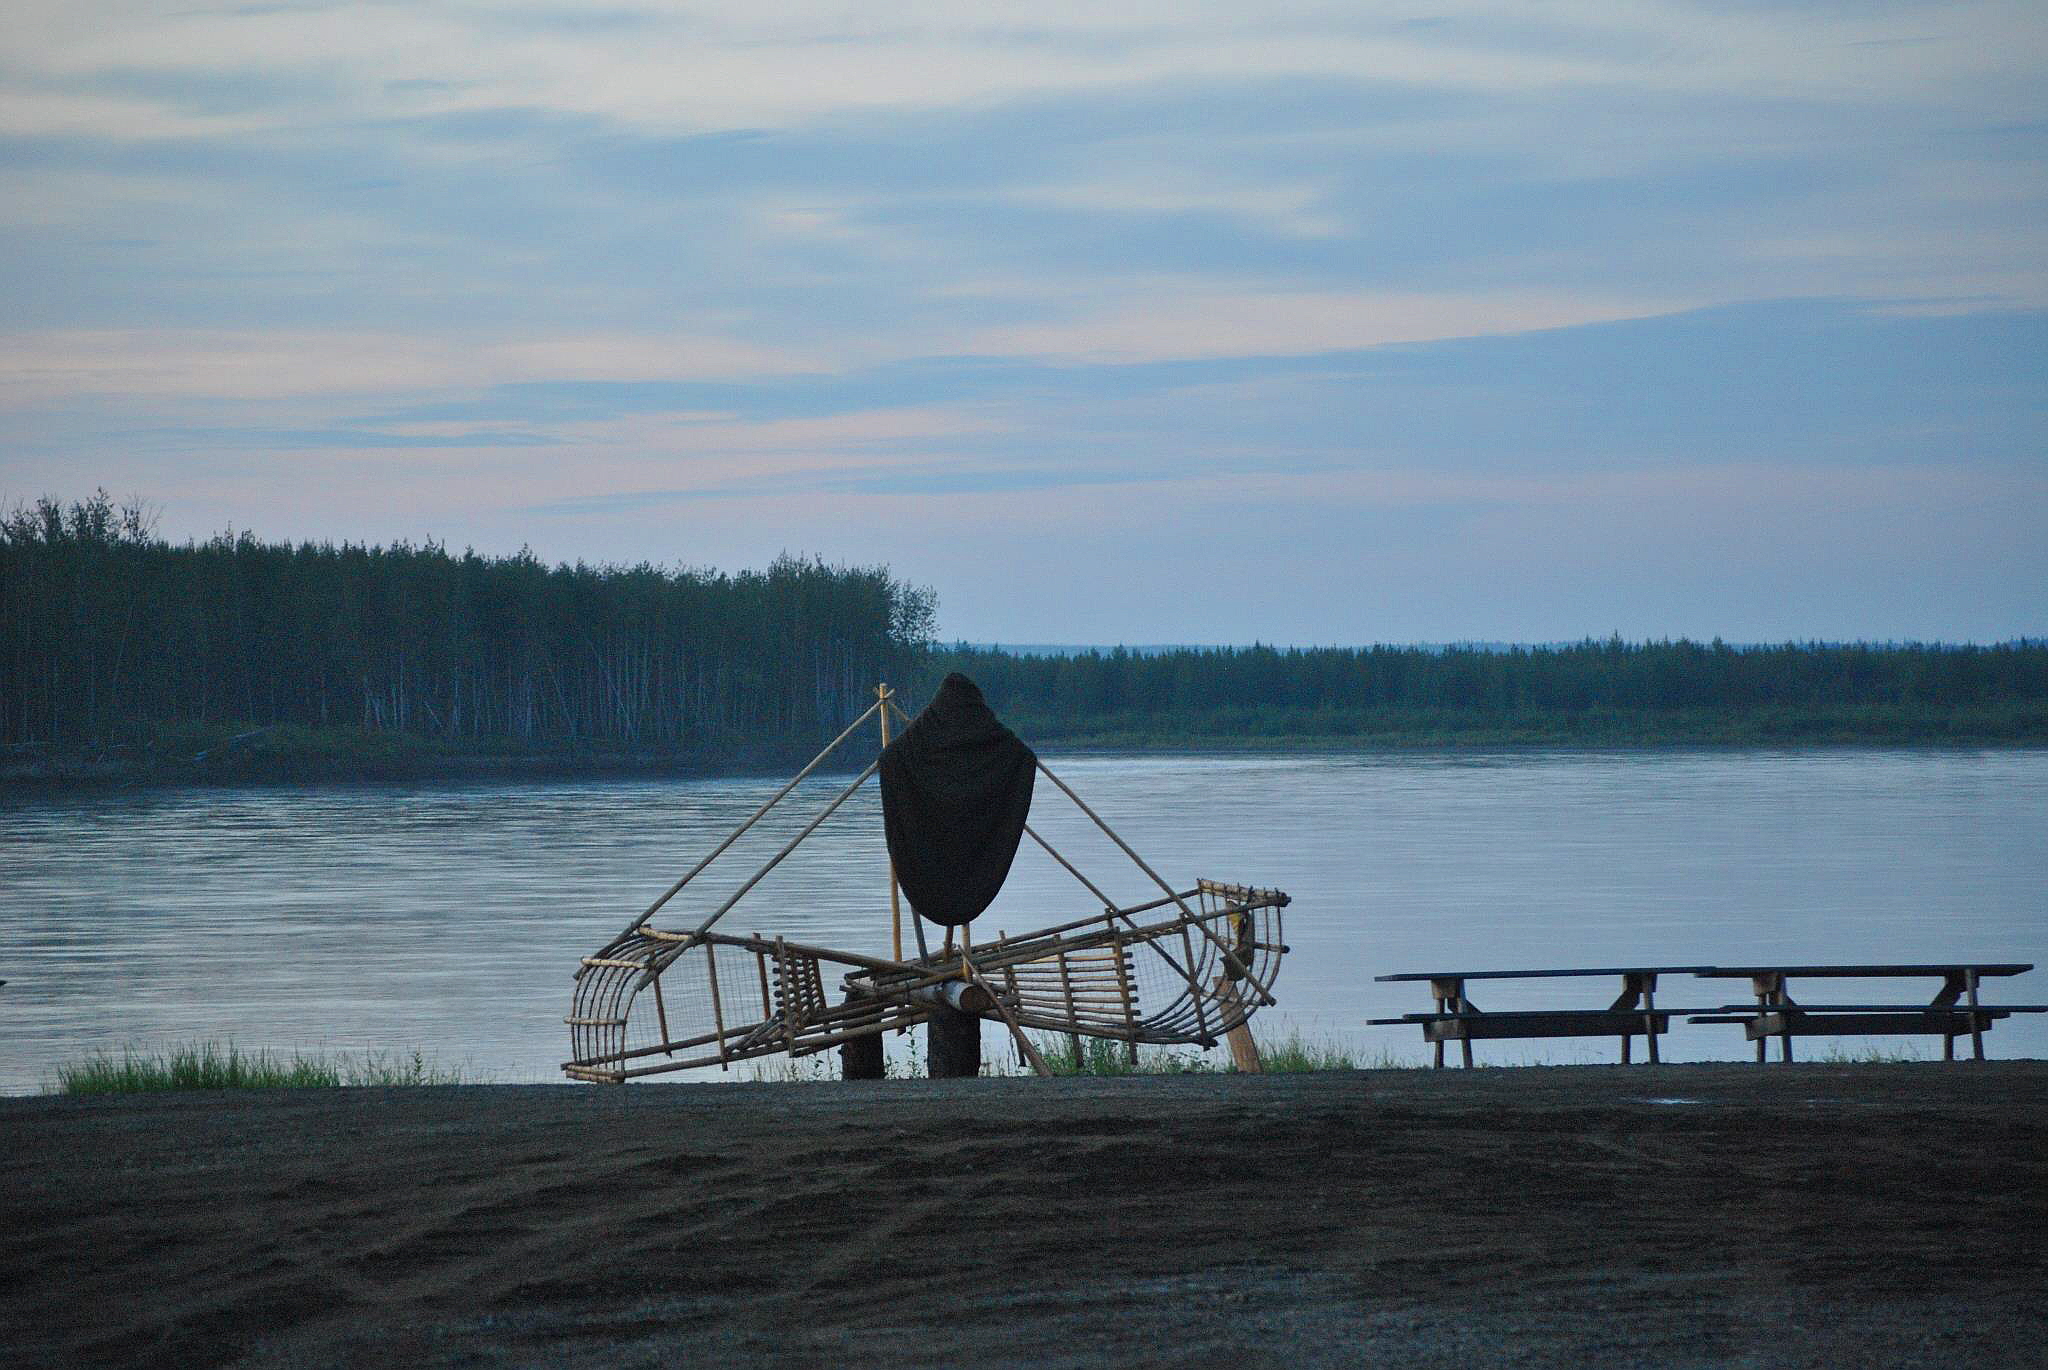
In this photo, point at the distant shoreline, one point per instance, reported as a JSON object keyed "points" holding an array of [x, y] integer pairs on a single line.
{"points": [[232, 755]]}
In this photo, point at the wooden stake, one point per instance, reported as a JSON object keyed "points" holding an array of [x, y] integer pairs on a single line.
{"points": [[1067, 989], [882, 693], [660, 1009], [916, 921], [1123, 984], [1244, 1052], [717, 1010], [1024, 1045], [1976, 1022]]}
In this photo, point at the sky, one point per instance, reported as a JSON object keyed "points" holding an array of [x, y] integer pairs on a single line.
{"points": [[1299, 323]]}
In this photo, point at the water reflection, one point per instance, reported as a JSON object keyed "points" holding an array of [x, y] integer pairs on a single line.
{"points": [[450, 917]]}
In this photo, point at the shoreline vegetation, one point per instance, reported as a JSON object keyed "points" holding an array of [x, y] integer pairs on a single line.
{"points": [[215, 1065], [224, 1065], [211, 1065], [127, 660]]}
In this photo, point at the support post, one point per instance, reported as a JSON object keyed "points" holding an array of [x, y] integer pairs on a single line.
{"points": [[952, 1044], [1976, 1022], [860, 1058], [1650, 1016], [1244, 1052]]}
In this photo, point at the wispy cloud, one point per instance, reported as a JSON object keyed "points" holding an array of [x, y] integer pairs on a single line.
{"points": [[1185, 324], [943, 285]]}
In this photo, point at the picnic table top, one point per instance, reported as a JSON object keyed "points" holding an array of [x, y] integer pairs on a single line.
{"points": [[1546, 974], [1868, 972], [1753, 1008]]}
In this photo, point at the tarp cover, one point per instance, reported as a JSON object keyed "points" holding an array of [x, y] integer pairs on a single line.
{"points": [[956, 789]]}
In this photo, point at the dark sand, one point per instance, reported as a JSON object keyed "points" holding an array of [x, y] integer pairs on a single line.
{"points": [[1670, 1216]]}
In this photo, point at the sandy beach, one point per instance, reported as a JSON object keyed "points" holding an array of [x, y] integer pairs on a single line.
{"points": [[1670, 1216]]}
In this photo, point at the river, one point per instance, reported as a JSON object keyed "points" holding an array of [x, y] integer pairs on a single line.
{"points": [[449, 918]]}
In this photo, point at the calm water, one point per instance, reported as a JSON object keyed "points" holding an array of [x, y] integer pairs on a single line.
{"points": [[450, 917]]}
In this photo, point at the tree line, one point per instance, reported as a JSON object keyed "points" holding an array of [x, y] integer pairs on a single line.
{"points": [[1589, 676], [107, 629]]}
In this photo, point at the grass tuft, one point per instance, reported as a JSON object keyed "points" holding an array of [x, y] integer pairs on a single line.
{"points": [[1287, 1055], [214, 1065], [1839, 1055]]}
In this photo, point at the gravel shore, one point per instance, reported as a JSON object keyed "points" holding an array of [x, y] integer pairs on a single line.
{"points": [[1710, 1215]]}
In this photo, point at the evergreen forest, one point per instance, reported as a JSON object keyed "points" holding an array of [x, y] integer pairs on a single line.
{"points": [[108, 632], [113, 638]]}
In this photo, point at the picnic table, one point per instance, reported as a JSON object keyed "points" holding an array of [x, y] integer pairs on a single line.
{"points": [[1457, 1018], [1954, 1010]]}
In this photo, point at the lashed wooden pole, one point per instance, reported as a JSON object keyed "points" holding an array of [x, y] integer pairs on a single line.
{"points": [[1230, 957], [680, 947], [737, 833], [1024, 1043], [882, 693]]}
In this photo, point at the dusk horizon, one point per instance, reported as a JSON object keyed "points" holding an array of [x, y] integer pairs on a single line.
{"points": [[1286, 325]]}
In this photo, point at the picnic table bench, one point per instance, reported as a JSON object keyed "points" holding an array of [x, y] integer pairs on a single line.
{"points": [[1776, 1014], [1457, 1018]]}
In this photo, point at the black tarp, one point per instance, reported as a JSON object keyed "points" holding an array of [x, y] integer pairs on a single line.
{"points": [[956, 789]]}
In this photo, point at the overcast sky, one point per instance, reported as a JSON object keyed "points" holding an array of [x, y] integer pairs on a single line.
{"points": [[1143, 322]]}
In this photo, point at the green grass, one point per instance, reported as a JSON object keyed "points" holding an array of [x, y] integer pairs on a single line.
{"points": [[214, 1065], [1098, 1057], [1838, 1055]]}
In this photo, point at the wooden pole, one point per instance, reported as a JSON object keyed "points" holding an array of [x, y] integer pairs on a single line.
{"points": [[1229, 956], [1123, 985], [861, 1058], [916, 921], [1650, 1016], [1067, 990], [952, 1044], [660, 1009], [882, 693], [736, 834], [1976, 1022], [1107, 902], [775, 860], [1244, 1052], [717, 1008], [1024, 1045]]}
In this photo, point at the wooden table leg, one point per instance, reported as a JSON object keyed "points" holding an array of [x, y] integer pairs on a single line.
{"points": [[1450, 998], [1765, 988], [1650, 1016], [1782, 998], [1976, 1023]]}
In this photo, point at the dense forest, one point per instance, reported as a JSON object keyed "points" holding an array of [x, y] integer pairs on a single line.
{"points": [[113, 638], [1590, 688], [106, 629]]}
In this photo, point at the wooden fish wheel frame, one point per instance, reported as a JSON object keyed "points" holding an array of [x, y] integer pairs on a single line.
{"points": [[1185, 969]]}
